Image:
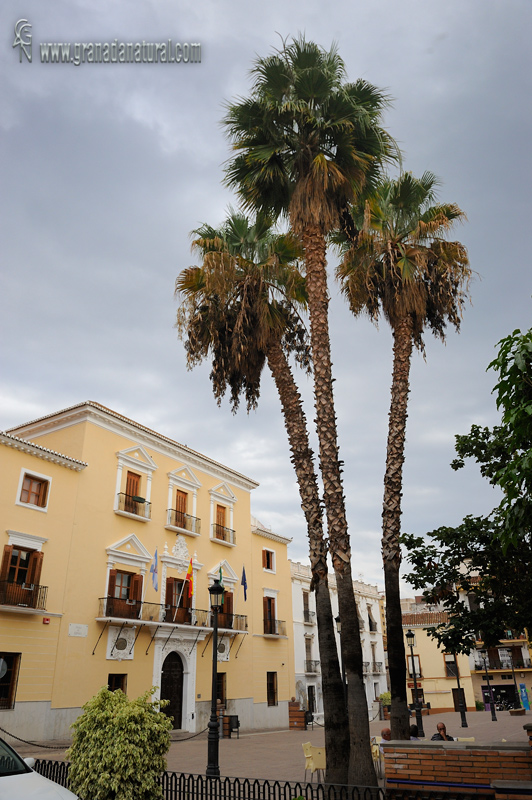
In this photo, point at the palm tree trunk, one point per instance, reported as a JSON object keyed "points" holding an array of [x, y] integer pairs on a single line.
{"points": [[335, 712], [361, 770], [391, 524]]}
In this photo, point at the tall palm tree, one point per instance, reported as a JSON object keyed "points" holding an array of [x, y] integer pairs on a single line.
{"points": [[401, 265], [305, 143], [240, 309]]}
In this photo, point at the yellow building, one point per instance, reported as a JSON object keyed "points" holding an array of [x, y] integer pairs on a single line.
{"points": [[436, 671], [102, 520]]}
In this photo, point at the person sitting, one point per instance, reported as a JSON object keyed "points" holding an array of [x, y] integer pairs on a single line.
{"points": [[414, 733], [441, 735], [386, 736]]}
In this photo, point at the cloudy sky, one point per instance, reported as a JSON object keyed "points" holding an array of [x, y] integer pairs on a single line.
{"points": [[107, 168]]}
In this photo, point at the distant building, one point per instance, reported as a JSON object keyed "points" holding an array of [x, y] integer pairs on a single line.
{"points": [[308, 690], [103, 523]]}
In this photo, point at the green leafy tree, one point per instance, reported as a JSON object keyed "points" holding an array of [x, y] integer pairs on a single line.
{"points": [[480, 571], [399, 264], [240, 310], [119, 747], [305, 142]]}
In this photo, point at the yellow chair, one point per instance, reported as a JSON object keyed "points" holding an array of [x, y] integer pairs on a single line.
{"points": [[377, 756], [315, 760]]}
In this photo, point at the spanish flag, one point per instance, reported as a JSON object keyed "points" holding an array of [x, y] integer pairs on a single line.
{"points": [[190, 579]]}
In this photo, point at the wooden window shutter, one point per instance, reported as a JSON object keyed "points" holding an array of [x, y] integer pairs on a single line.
{"points": [[112, 583], [6, 560], [170, 591], [132, 484], [136, 587], [265, 607], [34, 568], [186, 601], [264, 559], [228, 602], [181, 501], [220, 516], [43, 491]]}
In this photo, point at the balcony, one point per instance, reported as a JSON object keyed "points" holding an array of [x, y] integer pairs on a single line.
{"points": [[372, 625], [155, 612], [308, 616], [222, 534], [376, 667], [23, 595], [497, 664], [179, 521], [274, 627], [312, 666], [365, 667], [134, 506]]}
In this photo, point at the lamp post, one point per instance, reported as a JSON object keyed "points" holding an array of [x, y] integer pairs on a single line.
{"points": [[339, 629], [410, 637], [216, 592], [483, 653], [461, 705]]}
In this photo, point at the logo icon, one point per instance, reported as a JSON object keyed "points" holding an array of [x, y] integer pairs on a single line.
{"points": [[23, 38]]}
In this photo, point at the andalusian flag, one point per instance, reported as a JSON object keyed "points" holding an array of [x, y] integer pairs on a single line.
{"points": [[221, 579], [190, 579]]}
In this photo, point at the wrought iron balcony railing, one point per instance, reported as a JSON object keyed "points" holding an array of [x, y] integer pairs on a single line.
{"points": [[223, 534], [275, 627], [132, 504], [372, 625], [309, 616], [376, 667], [495, 663], [365, 667], [25, 595], [155, 612], [186, 522], [312, 666]]}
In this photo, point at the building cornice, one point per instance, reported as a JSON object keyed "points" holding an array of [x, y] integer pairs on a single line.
{"points": [[37, 450], [275, 537], [93, 412]]}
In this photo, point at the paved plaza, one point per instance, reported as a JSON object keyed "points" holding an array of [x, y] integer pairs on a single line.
{"points": [[278, 755]]}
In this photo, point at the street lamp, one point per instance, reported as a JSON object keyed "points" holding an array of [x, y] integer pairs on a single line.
{"points": [[216, 592], [461, 705], [484, 653], [410, 638], [339, 629]]}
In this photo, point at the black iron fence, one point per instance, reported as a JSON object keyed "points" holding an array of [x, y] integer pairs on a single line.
{"points": [[176, 786], [178, 519]]}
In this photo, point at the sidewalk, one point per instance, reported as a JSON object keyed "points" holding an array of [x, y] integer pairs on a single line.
{"points": [[278, 755]]}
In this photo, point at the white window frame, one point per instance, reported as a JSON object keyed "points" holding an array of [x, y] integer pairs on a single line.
{"points": [[273, 570], [32, 474]]}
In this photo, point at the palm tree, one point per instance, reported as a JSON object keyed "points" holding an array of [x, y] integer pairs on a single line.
{"points": [[240, 309], [400, 265], [306, 141]]}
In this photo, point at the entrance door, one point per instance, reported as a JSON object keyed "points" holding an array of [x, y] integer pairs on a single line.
{"points": [[172, 687]]}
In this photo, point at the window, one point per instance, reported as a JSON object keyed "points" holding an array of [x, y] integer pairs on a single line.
{"points": [[180, 508], [117, 681], [451, 667], [416, 665], [34, 491], [269, 615], [178, 602], [9, 666], [271, 688], [268, 560], [124, 594], [20, 574], [225, 616], [132, 493]]}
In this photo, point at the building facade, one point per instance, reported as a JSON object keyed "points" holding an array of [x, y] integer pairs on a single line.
{"points": [[112, 535], [308, 690]]}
